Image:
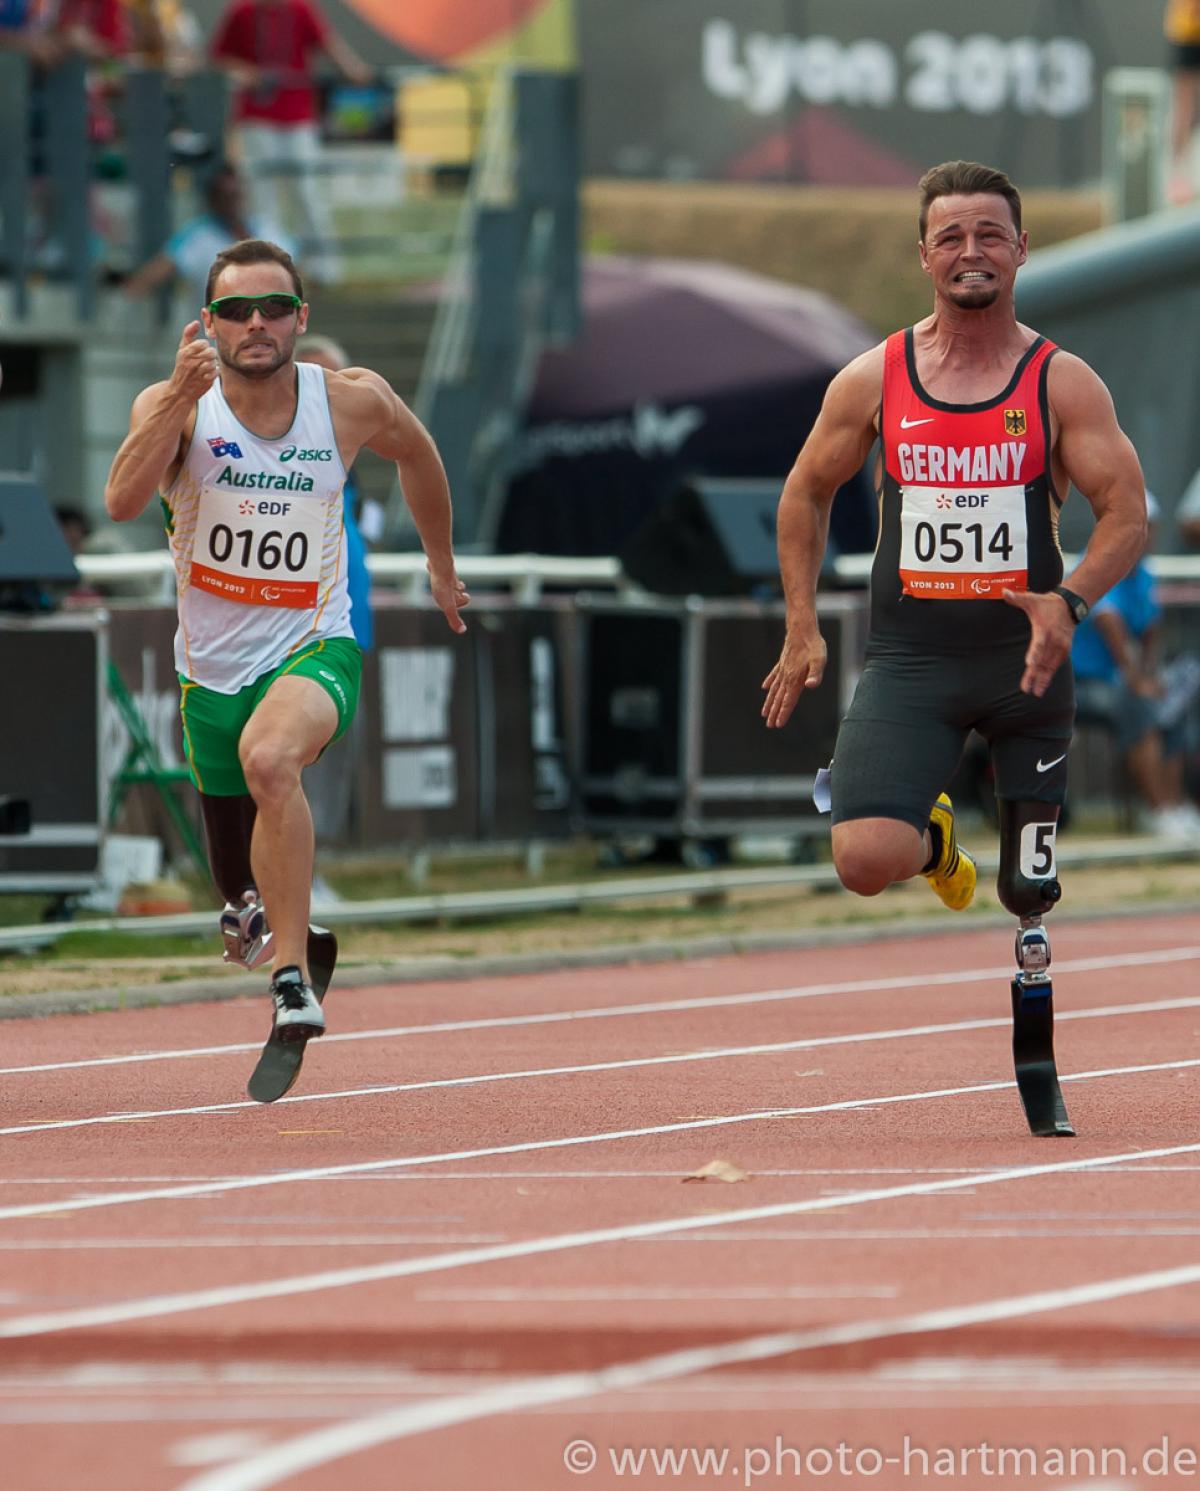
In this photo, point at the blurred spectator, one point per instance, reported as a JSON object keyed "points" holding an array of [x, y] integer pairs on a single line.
{"points": [[25, 26], [77, 530], [329, 782], [166, 35], [326, 353], [1181, 26], [100, 31], [268, 48], [1118, 682], [97, 29], [76, 527], [189, 253]]}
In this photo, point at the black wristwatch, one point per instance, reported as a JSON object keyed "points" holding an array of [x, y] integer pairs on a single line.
{"points": [[1076, 604]]}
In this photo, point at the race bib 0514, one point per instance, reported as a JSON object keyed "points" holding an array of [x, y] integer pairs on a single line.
{"points": [[960, 545]]}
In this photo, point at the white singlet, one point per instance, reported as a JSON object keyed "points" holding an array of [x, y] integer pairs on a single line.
{"points": [[257, 534]]}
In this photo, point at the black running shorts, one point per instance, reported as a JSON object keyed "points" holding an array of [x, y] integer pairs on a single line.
{"points": [[904, 733]]}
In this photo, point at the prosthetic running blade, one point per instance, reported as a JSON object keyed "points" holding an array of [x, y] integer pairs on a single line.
{"points": [[280, 1062], [1033, 1057]]}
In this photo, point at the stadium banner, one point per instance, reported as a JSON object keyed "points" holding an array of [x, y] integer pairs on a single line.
{"points": [[868, 94]]}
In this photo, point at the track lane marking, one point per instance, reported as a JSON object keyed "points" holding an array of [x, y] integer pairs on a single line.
{"points": [[1183, 954], [529, 1146], [156, 1306], [677, 1058], [268, 1467]]}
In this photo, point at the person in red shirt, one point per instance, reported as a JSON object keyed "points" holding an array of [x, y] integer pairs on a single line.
{"points": [[99, 29], [268, 48]]}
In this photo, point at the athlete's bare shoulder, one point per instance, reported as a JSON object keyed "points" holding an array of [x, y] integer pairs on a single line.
{"points": [[867, 367], [360, 400], [1075, 389], [854, 394]]}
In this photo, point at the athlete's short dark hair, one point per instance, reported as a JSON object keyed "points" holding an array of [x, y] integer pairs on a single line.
{"points": [[965, 178], [252, 251]]}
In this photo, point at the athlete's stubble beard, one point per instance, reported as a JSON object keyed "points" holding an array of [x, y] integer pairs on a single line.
{"points": [[975, 297], [257, 371]]}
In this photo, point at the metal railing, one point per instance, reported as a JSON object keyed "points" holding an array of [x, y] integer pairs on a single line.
{"points": [[699, 886], [524, 574], [527, 574]]}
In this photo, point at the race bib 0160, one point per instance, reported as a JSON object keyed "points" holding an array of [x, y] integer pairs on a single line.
{"points": [[259, 551], [962, 546]]}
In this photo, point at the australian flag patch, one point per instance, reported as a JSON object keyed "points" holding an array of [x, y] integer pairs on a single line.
{"points": [[220, 447]]}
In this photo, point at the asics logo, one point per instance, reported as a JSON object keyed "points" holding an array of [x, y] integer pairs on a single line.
{"points": [[911, 424], [1046, 765]]}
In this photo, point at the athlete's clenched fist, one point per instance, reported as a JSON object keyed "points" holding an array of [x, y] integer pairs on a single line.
{"points": [[196, 363]]}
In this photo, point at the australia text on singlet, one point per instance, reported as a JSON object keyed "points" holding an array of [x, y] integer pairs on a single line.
{"points": [[256, 529]]}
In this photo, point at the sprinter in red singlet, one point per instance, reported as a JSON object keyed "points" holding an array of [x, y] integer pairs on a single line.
{"points": [[984, 426]]}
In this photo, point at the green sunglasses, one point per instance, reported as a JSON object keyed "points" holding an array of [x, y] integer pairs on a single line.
{"points": [[241, 307]]}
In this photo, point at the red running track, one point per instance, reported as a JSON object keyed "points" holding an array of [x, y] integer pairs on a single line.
{"points": [[463, 1253]]}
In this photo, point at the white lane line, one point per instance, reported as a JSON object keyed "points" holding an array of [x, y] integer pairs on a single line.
{"points": [[286, 1240], [321, 1446], [156, 1306], [1168, 955], [529, 1146], [934, 1234], [215, 1448], [719, 1053], [618, 1293], [509, 1175]]}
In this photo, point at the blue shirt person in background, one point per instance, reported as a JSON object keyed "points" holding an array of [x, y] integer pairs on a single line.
{"points": [[190, 251], [1118, 682], [329, 782]]}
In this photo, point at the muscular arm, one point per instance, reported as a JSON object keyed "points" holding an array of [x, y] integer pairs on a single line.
{"points": [[1099, 459], [366, 406], [840, 441], [162, 417], [144, 463]]}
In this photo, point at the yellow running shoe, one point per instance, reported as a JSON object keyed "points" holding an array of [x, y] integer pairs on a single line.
{"points": [[953, 873]]}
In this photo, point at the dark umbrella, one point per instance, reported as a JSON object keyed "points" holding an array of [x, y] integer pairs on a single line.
{"points": [[685, 369]]}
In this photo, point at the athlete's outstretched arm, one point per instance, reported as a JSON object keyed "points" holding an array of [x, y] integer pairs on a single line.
{"points": [[1098, 458], [160, 416], [398, 435], [839, 443]]}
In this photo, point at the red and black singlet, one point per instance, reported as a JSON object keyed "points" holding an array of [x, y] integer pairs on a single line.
{"points": [[968, 508]]}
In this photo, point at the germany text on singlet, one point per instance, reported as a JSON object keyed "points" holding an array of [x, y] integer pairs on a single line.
{"points": [[968, 508], [256, 530]]}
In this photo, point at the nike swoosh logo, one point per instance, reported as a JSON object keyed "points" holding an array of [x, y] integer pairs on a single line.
{"points": [[910, 424], [1046, 765]]}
